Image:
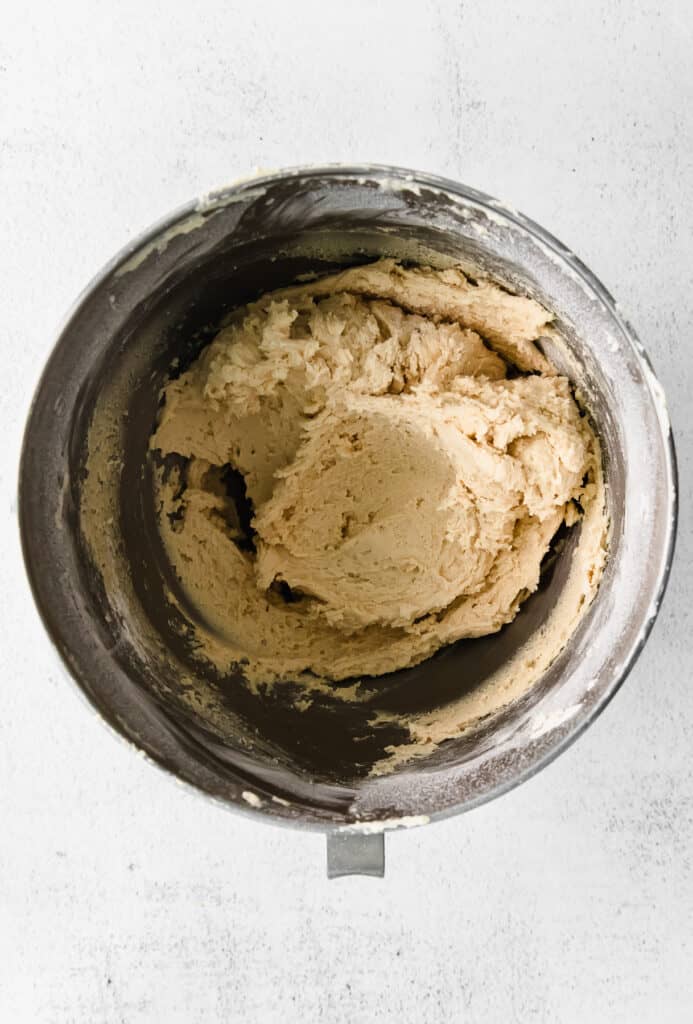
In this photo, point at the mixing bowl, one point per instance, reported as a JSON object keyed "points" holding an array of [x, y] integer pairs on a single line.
{"points": [[154, 306]]}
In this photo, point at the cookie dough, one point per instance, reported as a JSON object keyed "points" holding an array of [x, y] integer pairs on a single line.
{"points": [[367, 467]]}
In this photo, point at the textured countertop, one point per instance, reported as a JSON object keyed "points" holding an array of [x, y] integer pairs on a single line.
{"points": [[126, 899]]}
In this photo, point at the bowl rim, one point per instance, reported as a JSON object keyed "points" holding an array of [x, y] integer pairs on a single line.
{"points": [[270, 812]]}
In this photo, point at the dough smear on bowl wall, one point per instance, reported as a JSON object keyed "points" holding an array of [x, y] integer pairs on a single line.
{"points": [[370, 466]]}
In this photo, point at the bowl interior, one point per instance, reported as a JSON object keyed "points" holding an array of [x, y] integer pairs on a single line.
{"points": [[157, 312]]}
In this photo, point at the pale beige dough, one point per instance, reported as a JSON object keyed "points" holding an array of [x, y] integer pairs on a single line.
{"points": [[405, 490]]}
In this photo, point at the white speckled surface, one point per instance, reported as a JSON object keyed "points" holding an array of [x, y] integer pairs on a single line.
{"points": [[125, 899]]}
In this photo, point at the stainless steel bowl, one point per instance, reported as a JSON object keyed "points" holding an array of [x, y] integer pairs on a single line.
{"points": [[159, 300]]}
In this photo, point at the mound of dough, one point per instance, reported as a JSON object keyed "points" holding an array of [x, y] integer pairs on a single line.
{"points": [[372, 465]]}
